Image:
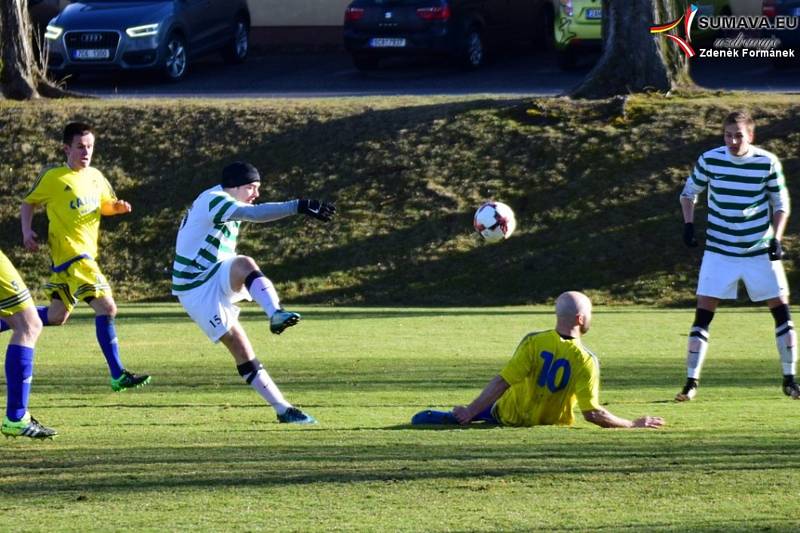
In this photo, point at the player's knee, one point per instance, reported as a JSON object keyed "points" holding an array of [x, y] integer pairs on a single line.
{"points": [[702, 318], [103, 306], [31, 329], [246, 263], [57, 318]]}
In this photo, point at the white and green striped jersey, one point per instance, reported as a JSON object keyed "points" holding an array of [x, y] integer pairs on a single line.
{"points": [[206, 237], [743, 194]]}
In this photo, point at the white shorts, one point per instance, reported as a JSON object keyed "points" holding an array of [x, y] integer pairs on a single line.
{"points": [[211, 304], [720, 275]]}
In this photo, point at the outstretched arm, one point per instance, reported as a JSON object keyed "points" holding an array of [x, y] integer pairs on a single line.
{"points": [[266, 212], [115, 207], [605, 419], [490, 394]]}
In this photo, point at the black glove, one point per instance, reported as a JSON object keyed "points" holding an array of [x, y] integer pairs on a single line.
{"points": [[775, 250], [688, 235], [314, 208]]}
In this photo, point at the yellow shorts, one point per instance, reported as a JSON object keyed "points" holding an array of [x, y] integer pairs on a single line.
{"points": [[81, 280], [14, 295]]}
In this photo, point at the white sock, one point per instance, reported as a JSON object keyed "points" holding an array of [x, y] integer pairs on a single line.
{"points": [[263, 292], [786, 340], [696, 353], [254, 374]]}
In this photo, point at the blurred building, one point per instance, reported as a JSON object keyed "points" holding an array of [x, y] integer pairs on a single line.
{"points": [[297, 22]]}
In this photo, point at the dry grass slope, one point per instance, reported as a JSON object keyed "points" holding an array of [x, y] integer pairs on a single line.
{"points": [[595, 192]]}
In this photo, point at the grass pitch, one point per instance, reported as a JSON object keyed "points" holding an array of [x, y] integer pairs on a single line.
{"points": [[198, 450]]}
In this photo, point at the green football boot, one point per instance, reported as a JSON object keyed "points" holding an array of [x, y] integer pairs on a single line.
{"points": [[129, 380], [26, 427]]}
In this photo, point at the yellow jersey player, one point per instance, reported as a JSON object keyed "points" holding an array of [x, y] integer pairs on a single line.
{"points": [[75, 196], [19, 314], [550, 372]]}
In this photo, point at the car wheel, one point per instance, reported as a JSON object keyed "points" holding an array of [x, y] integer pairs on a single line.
{"points": [[236, 51], [365, 62], [474, 49], [176, 61]]}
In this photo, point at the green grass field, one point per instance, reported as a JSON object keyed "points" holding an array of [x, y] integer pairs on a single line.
{"points": [[198, 450]]}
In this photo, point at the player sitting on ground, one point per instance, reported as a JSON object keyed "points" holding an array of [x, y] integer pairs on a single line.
{"points": [[208, 277], [549, 373]]}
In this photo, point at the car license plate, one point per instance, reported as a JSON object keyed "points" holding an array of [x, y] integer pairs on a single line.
{"points": [[91, 53], [384, 42], [594, 13]]}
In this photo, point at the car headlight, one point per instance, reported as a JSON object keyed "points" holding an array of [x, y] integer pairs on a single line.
{"points": [[142, 31], [53, 32]]}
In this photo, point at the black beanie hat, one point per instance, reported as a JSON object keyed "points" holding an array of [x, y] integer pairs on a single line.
{"points": [[239, 173]]}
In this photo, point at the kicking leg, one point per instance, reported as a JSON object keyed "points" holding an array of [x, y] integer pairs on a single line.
{"points": [[245, 273]]}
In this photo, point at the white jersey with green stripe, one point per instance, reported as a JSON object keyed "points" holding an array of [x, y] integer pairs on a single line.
{"points": [[206, 238], [743, 194]]}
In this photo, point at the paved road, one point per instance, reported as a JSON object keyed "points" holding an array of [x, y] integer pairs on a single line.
{"points": [[332, 74]]}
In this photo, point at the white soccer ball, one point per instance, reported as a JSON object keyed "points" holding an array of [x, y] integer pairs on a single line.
{"points": [[494, 221]]}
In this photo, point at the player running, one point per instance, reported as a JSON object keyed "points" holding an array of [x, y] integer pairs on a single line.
{"points": [[208, 277], [76, 195], [19, 313]]}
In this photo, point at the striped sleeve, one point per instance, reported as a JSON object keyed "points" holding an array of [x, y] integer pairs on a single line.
{"points": [[776, 188], [700, 174], [221, 208], [697, 182]]}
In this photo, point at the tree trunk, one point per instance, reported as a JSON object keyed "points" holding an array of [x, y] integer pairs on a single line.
{"points": [[17, 74], [23, 73], [633, 59]]}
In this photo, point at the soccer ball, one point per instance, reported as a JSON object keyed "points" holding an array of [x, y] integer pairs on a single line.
{"points": [[494, 221]]}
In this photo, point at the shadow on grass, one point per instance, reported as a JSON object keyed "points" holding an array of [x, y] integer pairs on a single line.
{"points": [[441, 427], [133, 313], [95, 469], [390, 372]]}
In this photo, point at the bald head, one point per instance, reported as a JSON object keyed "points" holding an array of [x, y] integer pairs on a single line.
{"points": [[573, 311]]}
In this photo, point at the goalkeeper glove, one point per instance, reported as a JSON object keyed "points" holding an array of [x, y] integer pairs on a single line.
{"points": [[775, 250], [688, 235], [314, 208]]}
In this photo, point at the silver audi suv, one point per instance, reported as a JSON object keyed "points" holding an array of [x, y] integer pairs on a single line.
{"points": [[165, 35]]}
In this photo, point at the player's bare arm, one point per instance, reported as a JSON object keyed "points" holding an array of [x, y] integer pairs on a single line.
{"points": [[606, 419], [490, 394], [28, 235]]}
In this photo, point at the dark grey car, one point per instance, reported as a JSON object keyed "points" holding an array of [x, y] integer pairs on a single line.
{"points": [[111, 35]]}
